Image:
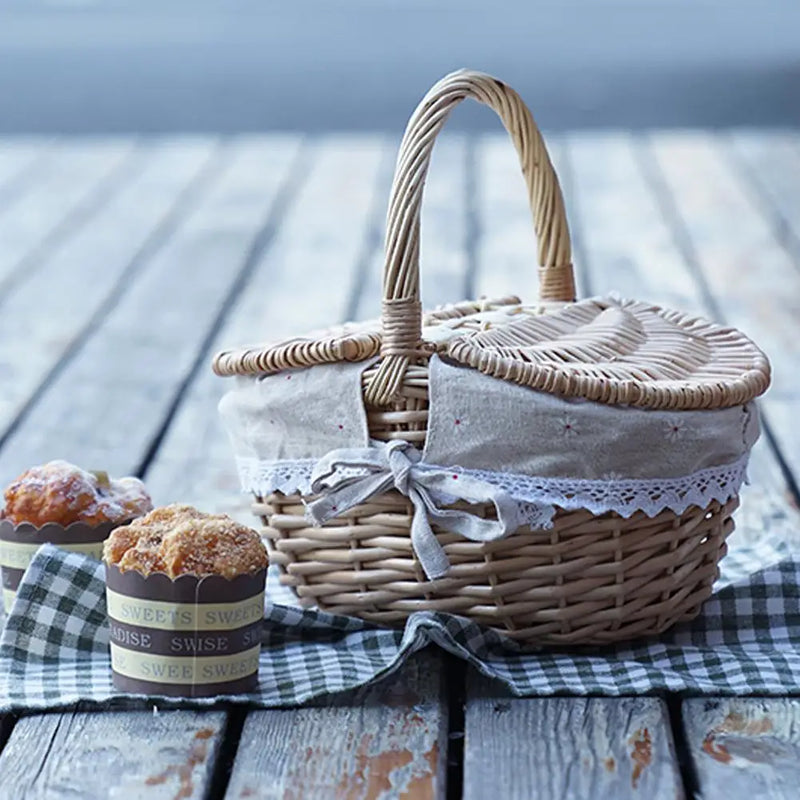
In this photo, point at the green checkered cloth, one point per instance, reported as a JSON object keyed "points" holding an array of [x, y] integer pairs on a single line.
{"points": [[54, 651]]}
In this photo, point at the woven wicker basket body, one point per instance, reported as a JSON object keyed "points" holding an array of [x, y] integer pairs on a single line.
{"points": [[588, 580]]}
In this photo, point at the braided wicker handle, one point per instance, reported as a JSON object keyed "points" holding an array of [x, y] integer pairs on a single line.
{"points": [[402, 312]]}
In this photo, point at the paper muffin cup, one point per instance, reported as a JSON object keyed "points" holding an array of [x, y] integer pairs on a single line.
{"points": [[184, 637], [18, 543]]}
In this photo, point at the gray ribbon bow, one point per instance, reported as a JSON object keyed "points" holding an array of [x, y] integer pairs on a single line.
{"points": [[396, 465]]}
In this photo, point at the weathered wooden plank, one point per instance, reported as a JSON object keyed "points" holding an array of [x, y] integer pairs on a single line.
{"points": [[106, 405], [305, 278], [76, 177], [47, 311], [169, 754], [563, 748], [754, 282], [631, 248], [234, 211], [303, 281], [770, 164], [744, 748], [383, 742]]}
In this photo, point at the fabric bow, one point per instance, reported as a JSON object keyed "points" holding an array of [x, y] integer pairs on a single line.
{"points": [[397, 464]]}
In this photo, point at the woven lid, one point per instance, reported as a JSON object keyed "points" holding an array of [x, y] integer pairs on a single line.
{"points": [[605, 350], [620, 352]]}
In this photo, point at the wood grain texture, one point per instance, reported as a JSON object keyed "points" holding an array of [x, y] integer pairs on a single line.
{"points": [[744, 748], [112, 396], [109, 401], [769, 162], [74, 178], [630, 247], [566, 748], [302, 281], [753, 280], [387, 741], [103, 755], [73, 288]]}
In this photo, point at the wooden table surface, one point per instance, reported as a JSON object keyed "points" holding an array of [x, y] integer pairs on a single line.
{"points": [[124, 264]]}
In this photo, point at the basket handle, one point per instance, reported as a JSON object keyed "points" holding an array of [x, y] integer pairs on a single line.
{"points": [[401, 315]]}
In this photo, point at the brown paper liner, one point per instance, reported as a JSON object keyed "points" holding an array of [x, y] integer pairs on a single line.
{"points": [[190, 631], [22, 540]]}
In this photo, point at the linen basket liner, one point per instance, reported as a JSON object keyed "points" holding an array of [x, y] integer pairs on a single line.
{"points": [[382, 536], [702, 454], [478, 422]]}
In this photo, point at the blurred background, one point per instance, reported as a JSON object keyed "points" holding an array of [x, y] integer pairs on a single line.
{"points": [[86, 66]]}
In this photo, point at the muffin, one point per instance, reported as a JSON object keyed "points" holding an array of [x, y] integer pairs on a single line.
{"points": [[64, 505], [185, 598]]}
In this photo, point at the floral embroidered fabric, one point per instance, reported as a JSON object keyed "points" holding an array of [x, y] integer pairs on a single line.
{"points": [[545, 451], [483, 423]]}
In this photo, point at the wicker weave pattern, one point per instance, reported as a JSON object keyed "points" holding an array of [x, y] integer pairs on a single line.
{"points": [[589, 580], [354, 341], [638, 355]]}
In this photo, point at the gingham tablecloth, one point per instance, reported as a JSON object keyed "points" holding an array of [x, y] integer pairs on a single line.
{"points": [[54, 649]]}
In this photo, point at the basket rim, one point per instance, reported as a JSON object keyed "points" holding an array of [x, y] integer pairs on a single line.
{"points": [[581, 360]]}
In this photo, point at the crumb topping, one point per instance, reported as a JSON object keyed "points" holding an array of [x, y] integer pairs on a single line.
{"points": [[62, 493], [180, 540]]}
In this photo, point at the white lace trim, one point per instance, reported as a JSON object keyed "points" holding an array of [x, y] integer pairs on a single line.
{"points": [[539, 497], [621, 495]]}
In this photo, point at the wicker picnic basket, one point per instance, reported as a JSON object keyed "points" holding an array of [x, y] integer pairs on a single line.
{"points": [[586, 577]]}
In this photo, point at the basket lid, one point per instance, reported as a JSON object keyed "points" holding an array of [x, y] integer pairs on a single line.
{"points": [[606, 350], [622, 352]]}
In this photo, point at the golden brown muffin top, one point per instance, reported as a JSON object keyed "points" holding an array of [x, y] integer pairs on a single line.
{"points": [[62, 493], [180, 540]]}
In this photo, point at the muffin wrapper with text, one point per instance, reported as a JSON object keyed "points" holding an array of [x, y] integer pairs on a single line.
{"points": [[19, 543], [184, 637]]}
